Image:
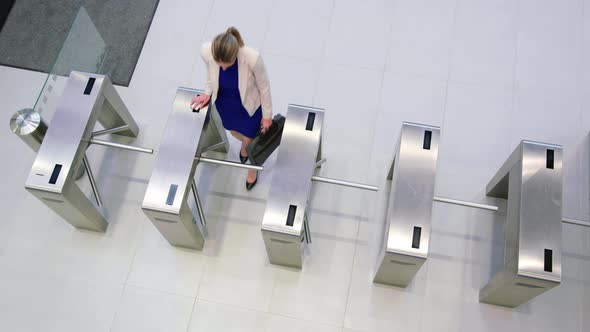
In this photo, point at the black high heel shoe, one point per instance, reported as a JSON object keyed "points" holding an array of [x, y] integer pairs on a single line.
{"points": [[243, 159], [250, 185]]}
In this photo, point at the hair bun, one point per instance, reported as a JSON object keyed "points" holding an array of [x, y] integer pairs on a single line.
{"points": [[234, 32]]}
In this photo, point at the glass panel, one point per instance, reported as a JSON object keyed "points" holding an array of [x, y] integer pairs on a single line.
{"points": [[83, 50]]}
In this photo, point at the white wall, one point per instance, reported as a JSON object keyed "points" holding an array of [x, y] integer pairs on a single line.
{"points": [[489, 72]]}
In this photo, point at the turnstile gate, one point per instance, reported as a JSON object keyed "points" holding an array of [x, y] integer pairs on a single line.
{"points": [[531, 180], [171, 200], [87, 98], [285, 219], [285, 227], [406, 233], [168, 201]]}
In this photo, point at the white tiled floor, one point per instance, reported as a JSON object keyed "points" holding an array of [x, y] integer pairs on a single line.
{"points": [[421, 37], [359, 33], [143, 309], [299, 28], [476, 123], [484, 44], [489, 72]]}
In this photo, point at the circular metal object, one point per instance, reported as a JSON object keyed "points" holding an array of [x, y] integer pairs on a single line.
{"points": [[29, 126]]}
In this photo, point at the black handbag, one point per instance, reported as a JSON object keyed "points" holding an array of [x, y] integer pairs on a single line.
{"points": [[265, 144]]}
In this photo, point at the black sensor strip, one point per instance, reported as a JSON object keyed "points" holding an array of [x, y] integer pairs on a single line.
{"points": [[291, 215], [55, 174], [171, 194], [310, 121], [89, 85], [427, 140], [416, 237]]}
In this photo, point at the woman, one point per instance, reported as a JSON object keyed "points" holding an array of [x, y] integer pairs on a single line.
{"points": [[238, 86]]}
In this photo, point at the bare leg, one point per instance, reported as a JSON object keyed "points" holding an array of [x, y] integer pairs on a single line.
{"points": [[251, 173], [237, 135], [245, 141], [241, 138]]}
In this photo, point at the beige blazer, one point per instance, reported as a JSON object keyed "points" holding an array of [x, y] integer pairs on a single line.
{"points": [[253, 80]]}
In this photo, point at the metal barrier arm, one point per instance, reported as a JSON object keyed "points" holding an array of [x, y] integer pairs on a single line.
{"points": [[120, 146], [344, 183], [113, 130], [565, 220], [228, 163]]}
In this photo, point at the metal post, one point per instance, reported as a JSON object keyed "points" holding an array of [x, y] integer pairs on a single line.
{"points": [[320, 162], [565, 220], [92, 181], [344, 183], [572, 221], [213, 147], [121, 146], [110, 131], [229, 163], [306, 230], [198, 202]]}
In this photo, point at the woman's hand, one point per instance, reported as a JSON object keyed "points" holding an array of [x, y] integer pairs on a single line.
{"points": [[200, 101], [265, 124]]}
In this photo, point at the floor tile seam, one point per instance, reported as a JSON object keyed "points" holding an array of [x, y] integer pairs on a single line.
{"points": [[190, 318], [196, 61], [350, 277], [313, 60], [364, 213], [231, 305], [272, 5], [270, 313], [169, 292], [515, 81], [159, 291], [205, 269], [138, 247], [361, 212], [421, 325], [117, 308], [322, 57], [486, 82]]}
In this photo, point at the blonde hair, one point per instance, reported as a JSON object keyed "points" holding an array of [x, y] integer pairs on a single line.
{"points": [[226, 45]]}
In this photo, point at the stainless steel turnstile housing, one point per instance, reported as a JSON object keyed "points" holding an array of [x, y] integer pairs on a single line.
{"points": [[87, 98], [284, 226], [406, 234], [168, 202], [531, 181]]}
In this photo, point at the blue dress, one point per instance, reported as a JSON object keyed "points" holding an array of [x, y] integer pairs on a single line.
{"points": [[229, 104]]}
